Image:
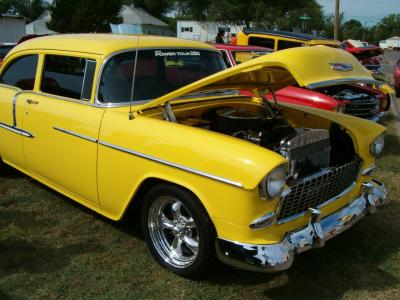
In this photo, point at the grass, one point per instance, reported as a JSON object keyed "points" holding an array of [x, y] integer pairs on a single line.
{"points": [[51, 247]]}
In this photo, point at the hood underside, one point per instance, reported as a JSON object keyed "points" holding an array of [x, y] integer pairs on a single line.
{"points": [[302, 66]]}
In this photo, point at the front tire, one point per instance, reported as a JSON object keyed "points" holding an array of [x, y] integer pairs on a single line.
{"points": [[177, 230]]}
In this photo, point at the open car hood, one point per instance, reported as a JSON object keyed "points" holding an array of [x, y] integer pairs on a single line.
{"points": [[309, 67]]}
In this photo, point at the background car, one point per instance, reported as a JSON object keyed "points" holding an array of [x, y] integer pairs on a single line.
{"points": [[279, 40], [234, 54], [368, 55], [396, 78]]}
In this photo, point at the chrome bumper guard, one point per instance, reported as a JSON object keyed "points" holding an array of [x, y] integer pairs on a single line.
{"points": [[278, 257]]}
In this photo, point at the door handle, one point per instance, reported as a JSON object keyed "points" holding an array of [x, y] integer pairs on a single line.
{"points": [[29, 101]]}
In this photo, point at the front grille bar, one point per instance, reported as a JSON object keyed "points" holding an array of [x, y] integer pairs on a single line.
{"points": [[315, 192]]}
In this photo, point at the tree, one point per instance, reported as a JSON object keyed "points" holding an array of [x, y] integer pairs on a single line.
{"points": [[329, 24], [29, 9], [84, 15], [283, 14], [389, 26], [353, 29]]}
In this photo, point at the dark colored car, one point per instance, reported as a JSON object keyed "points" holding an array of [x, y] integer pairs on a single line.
{"points": [[4, 49]]}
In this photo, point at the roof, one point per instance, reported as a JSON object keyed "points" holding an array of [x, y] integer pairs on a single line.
{"points": [[240, 47], [142, 16], [104, 44], [39, 26], [11, 16], [295, 35]]}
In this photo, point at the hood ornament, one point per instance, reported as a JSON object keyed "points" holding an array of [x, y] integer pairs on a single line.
{"points": [[343, 67]]}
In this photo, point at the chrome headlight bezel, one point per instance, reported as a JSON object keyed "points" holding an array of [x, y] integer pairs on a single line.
{"points": [[377, 145], [274, 183]]}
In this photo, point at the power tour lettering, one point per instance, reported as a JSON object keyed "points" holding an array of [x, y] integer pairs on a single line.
{"points": [[176, 53]]}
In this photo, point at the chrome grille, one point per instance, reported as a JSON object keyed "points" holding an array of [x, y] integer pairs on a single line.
{"points": [[316, 190], [366, 108]]}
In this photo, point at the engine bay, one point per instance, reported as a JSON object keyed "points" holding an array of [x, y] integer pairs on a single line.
{"points": [[308, 150]]}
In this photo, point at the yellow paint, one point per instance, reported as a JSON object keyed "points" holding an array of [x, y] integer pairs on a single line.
{"points": [[243, 39], [106, 179]]}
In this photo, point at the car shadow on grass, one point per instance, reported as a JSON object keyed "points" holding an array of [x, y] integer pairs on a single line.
{"points": [[356, 260], [8, 172], [37, 256]]}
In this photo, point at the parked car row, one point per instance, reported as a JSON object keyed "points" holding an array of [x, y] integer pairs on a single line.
{"points": [[214, 169]]}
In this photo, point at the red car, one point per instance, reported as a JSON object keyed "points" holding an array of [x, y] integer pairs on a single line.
{"points": [[346, 96], [234, 54], [368, 55], [396, 78], [353, 99]]}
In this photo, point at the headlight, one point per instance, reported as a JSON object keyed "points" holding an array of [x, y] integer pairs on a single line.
{"points": [[272, 185], [377, 146]]}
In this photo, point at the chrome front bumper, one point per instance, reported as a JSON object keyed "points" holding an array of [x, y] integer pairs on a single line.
{"points": [[278, 257]]}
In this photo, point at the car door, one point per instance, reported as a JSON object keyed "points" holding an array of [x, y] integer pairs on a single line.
{"points": [[16, 79], [65, 125]]}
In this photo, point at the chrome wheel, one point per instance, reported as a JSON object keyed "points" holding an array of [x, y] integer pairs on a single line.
{"points": [[173, 232]]}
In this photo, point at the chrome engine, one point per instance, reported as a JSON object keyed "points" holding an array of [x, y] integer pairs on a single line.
{"points": [[308, 148]]}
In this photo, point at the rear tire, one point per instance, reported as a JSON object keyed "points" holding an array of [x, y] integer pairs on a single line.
{"points": [[178, 231]]}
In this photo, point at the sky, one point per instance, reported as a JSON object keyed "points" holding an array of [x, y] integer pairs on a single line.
{"points": [[368, 12]]}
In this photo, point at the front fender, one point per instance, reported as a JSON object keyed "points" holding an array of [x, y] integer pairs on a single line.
{"points": [[363, 132]]}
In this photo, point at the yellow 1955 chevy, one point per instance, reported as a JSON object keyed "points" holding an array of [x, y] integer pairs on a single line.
{"points": [[156, 124]]}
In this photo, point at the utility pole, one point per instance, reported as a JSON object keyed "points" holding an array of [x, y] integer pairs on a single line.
{"points": [[337, 21]]}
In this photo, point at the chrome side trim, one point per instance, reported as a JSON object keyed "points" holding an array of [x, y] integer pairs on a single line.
{"points": [[82, 136], [327, 202], [83, 102], [171, 164], [16, 130], [342, 81], [10, 87], [14, 107], [83, 80]]}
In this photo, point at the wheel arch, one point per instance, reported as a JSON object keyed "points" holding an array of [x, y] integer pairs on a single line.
{"points": [[133, 207]]}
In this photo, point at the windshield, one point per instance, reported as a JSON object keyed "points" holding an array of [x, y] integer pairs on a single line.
{"points": [[246, 55], [158, 72]]}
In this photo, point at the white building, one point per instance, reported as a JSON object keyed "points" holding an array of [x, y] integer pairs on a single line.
{"points": [[204, 31], [12, 28], [137, 20], [392, 43], [39, 26]]}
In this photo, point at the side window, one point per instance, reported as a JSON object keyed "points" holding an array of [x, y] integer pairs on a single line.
{"points": [[263, 42], [225, 57], [21, 72], [65, 76], [282, 44]]}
